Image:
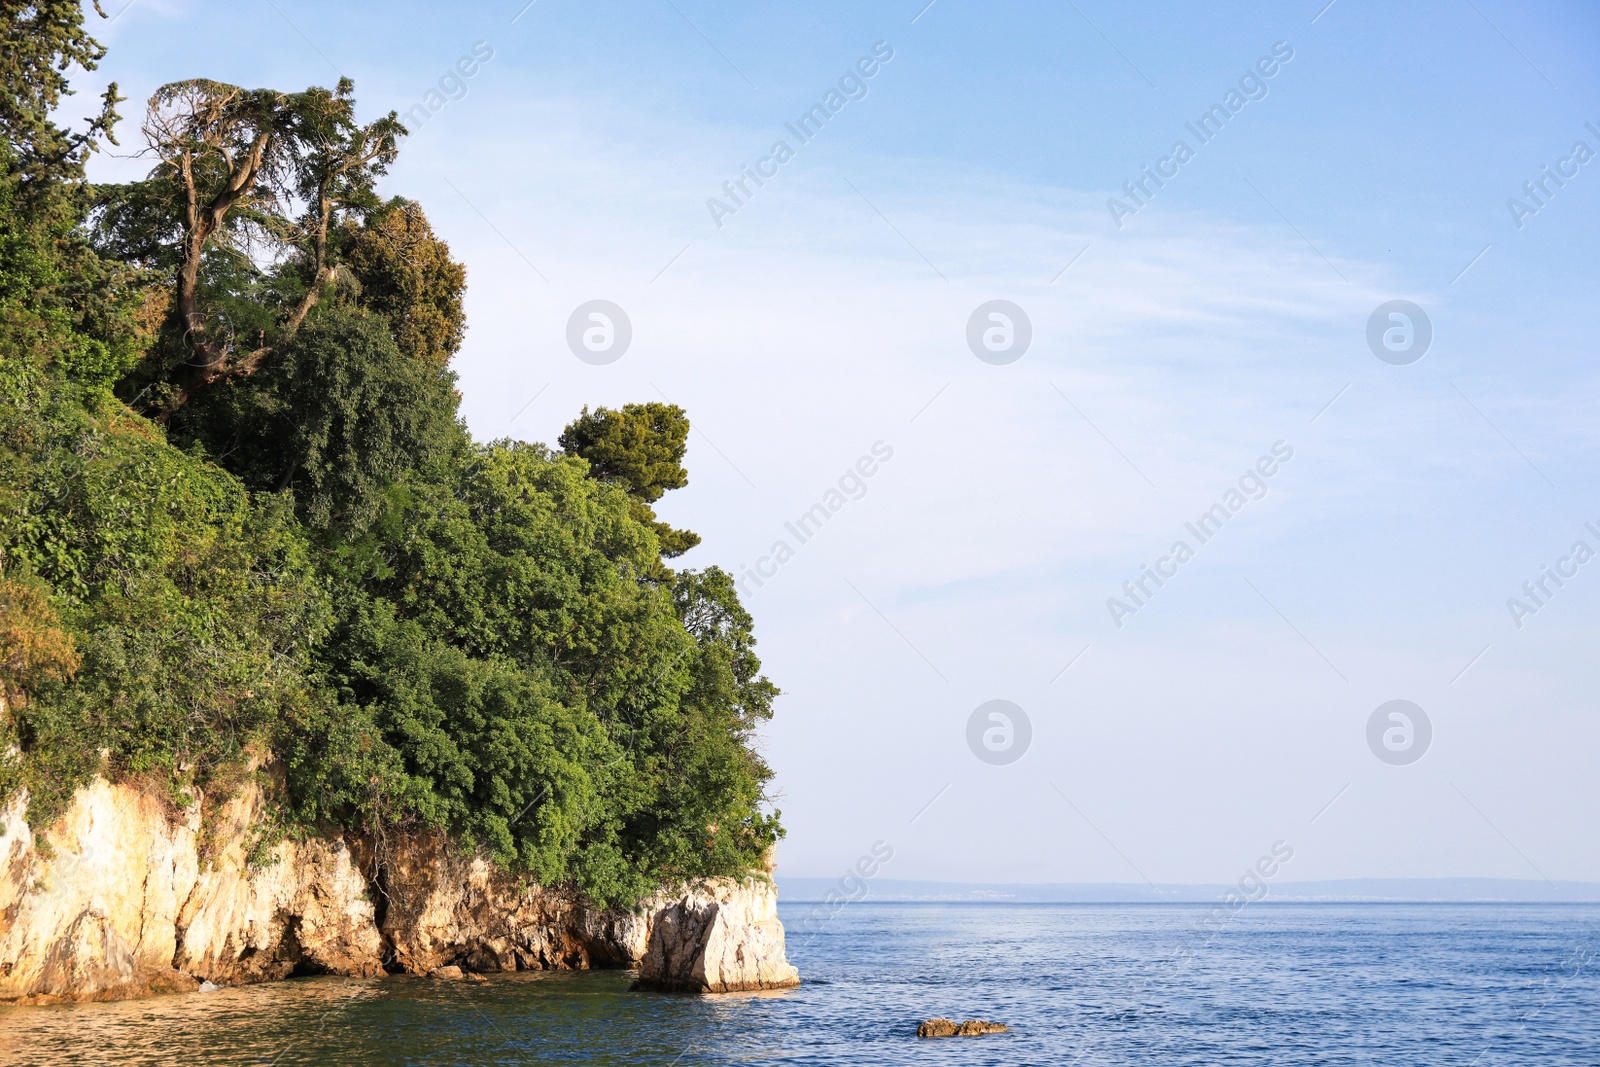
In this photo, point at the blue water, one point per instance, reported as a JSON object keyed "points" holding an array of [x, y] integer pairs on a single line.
{"points": [[1391, 985]]}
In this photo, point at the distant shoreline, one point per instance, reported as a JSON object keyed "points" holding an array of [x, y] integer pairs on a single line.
{"points": [[884, 902], [1342, 891]]}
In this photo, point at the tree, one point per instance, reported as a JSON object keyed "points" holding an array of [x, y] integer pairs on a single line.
{"points": [[536, 698], [641, 449], [339, 417], [406, 274], [255, 175], [59, 302], [359, 396], [39, 42]]}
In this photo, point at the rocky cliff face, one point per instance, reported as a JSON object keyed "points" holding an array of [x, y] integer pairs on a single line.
{"points": [[134, 898], [717, 938]]}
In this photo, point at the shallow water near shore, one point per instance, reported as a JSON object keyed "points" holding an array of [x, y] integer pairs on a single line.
{"points": [[1090, 984]]}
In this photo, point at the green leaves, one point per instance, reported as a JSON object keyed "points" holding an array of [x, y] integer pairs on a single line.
{"points": [[39, 43], [546, 701], [195, 607], [406, 274], [341, 417], [639, 448]]}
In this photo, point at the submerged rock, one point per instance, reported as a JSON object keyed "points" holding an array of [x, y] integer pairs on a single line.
{"points": [[970, 1028]]}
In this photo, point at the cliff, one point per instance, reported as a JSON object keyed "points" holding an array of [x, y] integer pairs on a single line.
{"points": [[130, 897]]}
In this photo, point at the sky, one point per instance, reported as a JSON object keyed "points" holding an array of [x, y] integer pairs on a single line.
{"points": [[1185, 338]]}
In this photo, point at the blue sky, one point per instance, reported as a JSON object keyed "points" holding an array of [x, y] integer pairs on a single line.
{"points": [[829, 313]]}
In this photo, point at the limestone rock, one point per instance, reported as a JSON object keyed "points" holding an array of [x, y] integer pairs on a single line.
{"points": [[98, 919], [447, 908], [307, 909], [720, 937], [131, 898]]}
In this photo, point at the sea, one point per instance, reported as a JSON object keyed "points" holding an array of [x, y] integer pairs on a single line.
{"points": [[1472, 985]]}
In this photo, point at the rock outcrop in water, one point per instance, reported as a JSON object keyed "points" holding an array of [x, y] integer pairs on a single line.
{"points": [[135, 898], [942, 1027], [721, 938]]}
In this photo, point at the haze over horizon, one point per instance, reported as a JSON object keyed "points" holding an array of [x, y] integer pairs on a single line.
{"points": [[1174, 348]]}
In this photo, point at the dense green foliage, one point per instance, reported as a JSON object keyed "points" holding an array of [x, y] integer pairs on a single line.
{"points": [[241, 523], [641, 449]]}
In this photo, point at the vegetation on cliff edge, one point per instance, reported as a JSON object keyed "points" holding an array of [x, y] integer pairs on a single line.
{"points": [[240, 517]]}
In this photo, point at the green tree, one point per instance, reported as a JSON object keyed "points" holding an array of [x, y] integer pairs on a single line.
{"points": [[244, 175], [406, 274], [39, 43], [641, 449], [59, 302], [522, 686], [338, 418], [192, 606], [322, 372]]}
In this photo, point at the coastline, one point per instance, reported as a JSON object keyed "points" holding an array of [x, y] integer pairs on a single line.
{"points": [[128, 898]]}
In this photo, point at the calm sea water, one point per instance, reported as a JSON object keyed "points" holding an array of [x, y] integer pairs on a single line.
{"points": [[1388, 985]]}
